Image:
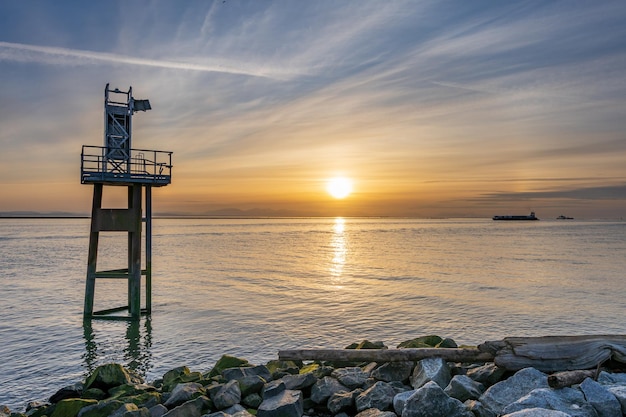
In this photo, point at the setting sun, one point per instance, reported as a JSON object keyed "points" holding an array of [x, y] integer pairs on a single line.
{"points": [[339, 187]]}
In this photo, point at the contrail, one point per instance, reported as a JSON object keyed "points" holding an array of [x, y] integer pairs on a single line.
{"points": [[34, 53]]}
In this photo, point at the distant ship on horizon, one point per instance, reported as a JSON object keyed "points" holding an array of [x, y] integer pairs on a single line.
{"points": [[531, 216], [563, 217]]}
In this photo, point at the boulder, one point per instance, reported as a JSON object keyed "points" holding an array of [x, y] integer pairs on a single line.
{"points": [[273, 388], [109, 376], [225, 362], [464, 388], [399, 400], [158, 410], [537, 412], [393, 371], [299, 382], [366, 344], [374, 412], [600, 398], [380, 396], [567, 400], [512, 389], [606, 378], [341, 401], [100, 409], [431, 369], [286, 404], [183, 393], [229, 394], [253, 400], [179, 375], [478, 409], [70, 391], [422, 342], [192, 408], [487, 374], [242, 372], [324, 388], [130, 410], [351, 377], [250, 384], [619, 392], [70, 407], [431, 401]]}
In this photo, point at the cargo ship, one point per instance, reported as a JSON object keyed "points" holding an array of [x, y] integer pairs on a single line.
{"points": [[531, 216]]}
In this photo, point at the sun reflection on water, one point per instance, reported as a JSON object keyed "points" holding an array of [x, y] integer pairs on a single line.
{"points": [[340, 250]]}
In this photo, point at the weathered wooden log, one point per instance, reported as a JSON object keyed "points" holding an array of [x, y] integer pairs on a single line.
{"points": [[387, 355], [569, 378], [557, 353]]}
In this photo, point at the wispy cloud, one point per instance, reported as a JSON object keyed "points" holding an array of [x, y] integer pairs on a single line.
{"points": [[54, 55]]}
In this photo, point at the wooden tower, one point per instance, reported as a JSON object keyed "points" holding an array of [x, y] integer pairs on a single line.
{"points": [[118, 164]]}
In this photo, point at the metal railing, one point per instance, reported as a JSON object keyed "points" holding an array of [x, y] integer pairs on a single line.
{"points": [[101, 164]]}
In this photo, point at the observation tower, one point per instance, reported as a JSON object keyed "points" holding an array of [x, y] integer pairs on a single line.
{"points": [[118, 164]]}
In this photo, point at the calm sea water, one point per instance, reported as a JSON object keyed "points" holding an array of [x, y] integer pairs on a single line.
{"points": [[252, 287]]}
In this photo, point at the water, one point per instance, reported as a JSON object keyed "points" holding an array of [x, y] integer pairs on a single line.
{"points": [[253, 287]]}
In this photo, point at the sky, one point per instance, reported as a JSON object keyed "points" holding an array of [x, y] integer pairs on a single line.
{"points": [[430, 108]]}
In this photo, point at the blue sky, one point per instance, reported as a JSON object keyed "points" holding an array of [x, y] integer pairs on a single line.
{"points": [[442, 108]]}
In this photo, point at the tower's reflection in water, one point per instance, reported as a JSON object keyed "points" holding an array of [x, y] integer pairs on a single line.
{"points": [[126, 342]]}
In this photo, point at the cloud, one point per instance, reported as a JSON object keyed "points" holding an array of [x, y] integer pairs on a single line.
{"points": [[614, 192], [53, 55]]}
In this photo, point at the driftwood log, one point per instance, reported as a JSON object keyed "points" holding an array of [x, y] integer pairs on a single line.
{"points": [[569, 378], [547, 354]]}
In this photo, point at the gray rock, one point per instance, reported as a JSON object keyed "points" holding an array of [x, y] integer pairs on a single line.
{"points": [[393, 371], [234, 409], [374, 412], [299, 382], [158, 410], [380, 396], [322, 390], [253, 400], [130, 410], [488, 374], [478, 409], [431, 401], [341, 401], [351, 377], [192, 408], [183, 393], [242, 372], [273, 388], [101, 408], [250, 384], [620, 393], [400, 399], [567, 400], [229, 394], [286, 404], [512, 389], [601, 399], [70, 391], [606, 378], [464, 388], [431, 369], [537, 412]]}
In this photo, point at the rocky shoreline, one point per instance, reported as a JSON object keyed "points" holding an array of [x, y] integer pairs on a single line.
{"points": [[429, 387]]}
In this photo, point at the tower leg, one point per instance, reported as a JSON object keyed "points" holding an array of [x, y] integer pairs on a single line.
{"points": [[134, 252], [148, 249], [93, 252]]}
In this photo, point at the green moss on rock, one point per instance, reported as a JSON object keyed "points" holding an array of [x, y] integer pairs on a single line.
{"points": [[225, 362], [71, 406]]}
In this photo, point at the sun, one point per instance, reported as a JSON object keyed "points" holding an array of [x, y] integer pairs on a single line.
{"points": [[339, 187]]}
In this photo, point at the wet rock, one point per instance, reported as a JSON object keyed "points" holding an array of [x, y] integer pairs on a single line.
{"points": [[70, 391], [70, 407], [567, 400], [183, 393], [94, 394], [464, 388], [379, 396], [431, 369], [431, 401], [229, 394], [324, 388], [512, 389], [286, 404], [393, 371], [351, 377], [601, 399], [366, 344]]}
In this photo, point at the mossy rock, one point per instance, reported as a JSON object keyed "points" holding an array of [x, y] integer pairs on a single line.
{"points": [[71, 406], [422, 342], [225, 362], [447, 343], [277, 365], [108, 376], [366, 344], [94, 394], [102, 408]]}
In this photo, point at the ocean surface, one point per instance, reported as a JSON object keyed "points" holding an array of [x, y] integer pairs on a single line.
{"points": [[251, 287]]}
